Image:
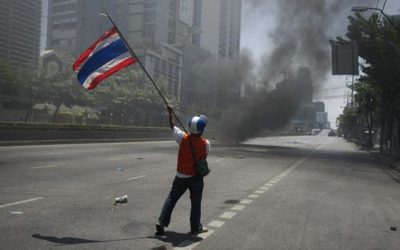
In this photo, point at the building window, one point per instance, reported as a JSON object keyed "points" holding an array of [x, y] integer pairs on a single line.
{"points": [[149, 31], [64, 7], [149, 16]]}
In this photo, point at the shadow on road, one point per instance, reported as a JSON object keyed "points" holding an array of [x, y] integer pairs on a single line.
{"points": [[177, 238], [73, 240]]}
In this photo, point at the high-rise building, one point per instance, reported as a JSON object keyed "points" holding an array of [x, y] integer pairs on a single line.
{"points": [[20, 31], [220, 25], [74, 24], [152, 32]]}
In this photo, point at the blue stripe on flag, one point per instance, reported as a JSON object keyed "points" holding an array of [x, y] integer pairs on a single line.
{"points": [[100, 58]]}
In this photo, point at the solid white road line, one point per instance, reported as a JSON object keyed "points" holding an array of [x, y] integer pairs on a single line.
{"points": [[135, 178], [47, 166], [20, 202]]}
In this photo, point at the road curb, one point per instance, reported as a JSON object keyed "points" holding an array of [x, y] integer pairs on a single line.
{"points": [[81, 141], [77, 141]]}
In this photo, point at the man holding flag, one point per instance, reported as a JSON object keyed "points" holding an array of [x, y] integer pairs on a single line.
{"points": [[186, 175], [108, 55]]}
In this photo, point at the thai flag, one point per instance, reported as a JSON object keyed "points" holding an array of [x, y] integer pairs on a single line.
{"points": [[105, 57]]}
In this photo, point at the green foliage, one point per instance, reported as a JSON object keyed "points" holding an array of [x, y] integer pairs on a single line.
{"points": [[377, 95], [15, 79], [129, 97], [40, 126], [125, 98], [347, 120]]}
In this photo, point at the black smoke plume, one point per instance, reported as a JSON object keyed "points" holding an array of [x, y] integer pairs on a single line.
{"points": [[300, 39]]}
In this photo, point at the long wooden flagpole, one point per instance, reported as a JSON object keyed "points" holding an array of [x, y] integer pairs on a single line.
{"points": [[141, 65]]}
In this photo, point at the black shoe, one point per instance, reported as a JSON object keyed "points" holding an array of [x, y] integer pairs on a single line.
{"points": [[160, 229], [199, 231]]}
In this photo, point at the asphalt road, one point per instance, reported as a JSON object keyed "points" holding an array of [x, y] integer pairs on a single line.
{"points": [[305, 192]]}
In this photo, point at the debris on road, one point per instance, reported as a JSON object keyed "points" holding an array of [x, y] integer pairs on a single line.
{"points": [[121, 200]]}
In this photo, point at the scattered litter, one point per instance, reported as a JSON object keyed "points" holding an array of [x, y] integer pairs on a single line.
{"points": [[16, 212], [139, 158], [393, 228], [120, 169], [121, 200]]}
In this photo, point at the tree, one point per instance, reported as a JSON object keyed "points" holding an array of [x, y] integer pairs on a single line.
{"points": [[347, 122], [127, 98], [379, 90], [19, 83], [62, 88], [365, 102]]}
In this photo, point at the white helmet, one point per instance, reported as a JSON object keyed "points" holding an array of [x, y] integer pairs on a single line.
{"points": [[197, 124]]}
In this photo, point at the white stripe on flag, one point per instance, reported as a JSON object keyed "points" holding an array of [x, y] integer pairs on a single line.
{"points": [[105, 68], [99, 46]]}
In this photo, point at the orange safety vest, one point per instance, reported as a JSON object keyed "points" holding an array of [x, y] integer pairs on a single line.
{"points": [[185, 162]]}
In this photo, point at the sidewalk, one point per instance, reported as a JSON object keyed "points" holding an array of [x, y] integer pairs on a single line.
{"points": [[395, 165]]}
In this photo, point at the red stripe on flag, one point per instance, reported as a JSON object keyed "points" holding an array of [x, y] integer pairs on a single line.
{"points": [[87, 52], [111, 71]]}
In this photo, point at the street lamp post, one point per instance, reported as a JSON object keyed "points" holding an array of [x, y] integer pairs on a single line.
{"points": [[363, 9]]}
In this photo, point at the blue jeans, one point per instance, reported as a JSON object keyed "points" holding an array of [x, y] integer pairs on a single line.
{"points": [[195, 185]]}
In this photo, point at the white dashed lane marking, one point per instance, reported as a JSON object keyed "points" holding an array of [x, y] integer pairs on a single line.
{"points": [[20, 202], [135, 178], [253, 196], [246, 201], [216, 223], [190, 244], [227, 215], [238, 207], [116, 159], [47, 166]]}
